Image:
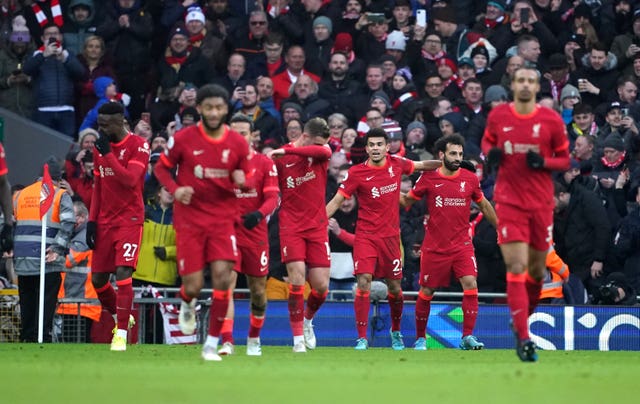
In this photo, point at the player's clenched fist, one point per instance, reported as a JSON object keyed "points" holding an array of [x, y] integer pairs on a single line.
{"points": [[183, 195]]}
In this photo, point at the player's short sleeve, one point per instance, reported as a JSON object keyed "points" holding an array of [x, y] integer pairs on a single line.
{"points": [[419, 190], [477, 190], [350, 183], [270, 176], [407, 166], [141, 153], [174, 149]]}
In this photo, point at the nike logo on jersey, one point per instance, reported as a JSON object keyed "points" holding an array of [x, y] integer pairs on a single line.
{"points": [[198, 152], [368, 178], [439, 185], [507, 128], [129, 259], [290, 165]]}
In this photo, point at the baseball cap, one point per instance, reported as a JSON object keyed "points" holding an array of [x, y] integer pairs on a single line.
{"points": [[613, 105]]}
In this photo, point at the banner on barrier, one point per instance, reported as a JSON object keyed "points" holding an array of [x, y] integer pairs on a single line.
{"points": [[552, 327]]}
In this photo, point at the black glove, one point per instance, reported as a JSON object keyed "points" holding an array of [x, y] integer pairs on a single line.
{"points": [[467, 165], [92, 227], [493, 159], [6, 238], [534, 160], [252, 219], [160, 252], [103, 145]]}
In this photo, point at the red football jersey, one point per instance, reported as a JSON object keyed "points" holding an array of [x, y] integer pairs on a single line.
{"points": [[120, 204], [205, 164], [303, 183], [265, 177], [378, 192], [3, 162], [448, 199], [542, 131]]}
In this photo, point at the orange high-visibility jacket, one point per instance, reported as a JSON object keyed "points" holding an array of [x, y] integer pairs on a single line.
{"points": [[558, 271], [76, 282]]}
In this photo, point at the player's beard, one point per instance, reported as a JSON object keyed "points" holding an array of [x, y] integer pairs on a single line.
{"points": [[525, 96], [211, 128], [451, 165]]}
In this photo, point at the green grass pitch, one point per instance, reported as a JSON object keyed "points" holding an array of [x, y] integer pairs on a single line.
{"points": [[91, 374]]}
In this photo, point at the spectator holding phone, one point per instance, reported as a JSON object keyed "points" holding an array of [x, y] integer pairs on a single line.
{"points": [[370, 45], [15, 85], [54, 70]]}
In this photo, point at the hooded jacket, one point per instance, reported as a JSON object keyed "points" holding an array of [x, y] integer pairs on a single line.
{"points": [[100, 88], [74, 32]]}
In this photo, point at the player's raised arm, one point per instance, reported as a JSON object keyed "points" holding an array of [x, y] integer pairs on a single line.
{"points": [[314, 151], [334, 204], [427, 165]]}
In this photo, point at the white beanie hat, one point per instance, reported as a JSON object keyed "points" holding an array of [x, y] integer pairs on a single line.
{"points": [[194, 13], [396, 41]]}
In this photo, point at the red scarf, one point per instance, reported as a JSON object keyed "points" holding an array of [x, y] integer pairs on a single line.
{"points": [[490, 23], [404, 98], [435, 57], [56, 12], [616, 163], [175, 61], [557, 86], [196, 39], [271, 10], [41, 49]]}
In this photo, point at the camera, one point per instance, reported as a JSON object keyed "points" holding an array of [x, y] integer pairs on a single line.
{"points": [[609, 292], [88, 157], [376, 17]]}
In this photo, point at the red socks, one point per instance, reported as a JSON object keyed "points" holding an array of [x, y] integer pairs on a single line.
{"points": [[217, 312], [518, 303], [423, 306], [314, 301], [469, 311], [255, 325], [534, 288], [183, 295], [296, 308], [396, 304], [124, 301], [107, 297], [361, 306], [226, 332]]}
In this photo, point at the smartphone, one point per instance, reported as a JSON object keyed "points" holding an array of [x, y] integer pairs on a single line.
{"points": [[524, 15], [375, 17], [421, 18], [625, 111], [146, 116]]}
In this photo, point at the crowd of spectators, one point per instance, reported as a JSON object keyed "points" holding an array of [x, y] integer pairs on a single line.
{"points": [[360, 64]]}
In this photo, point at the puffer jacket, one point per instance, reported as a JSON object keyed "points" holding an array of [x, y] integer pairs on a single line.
{"points": [[54, 80], [157, 231]]}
